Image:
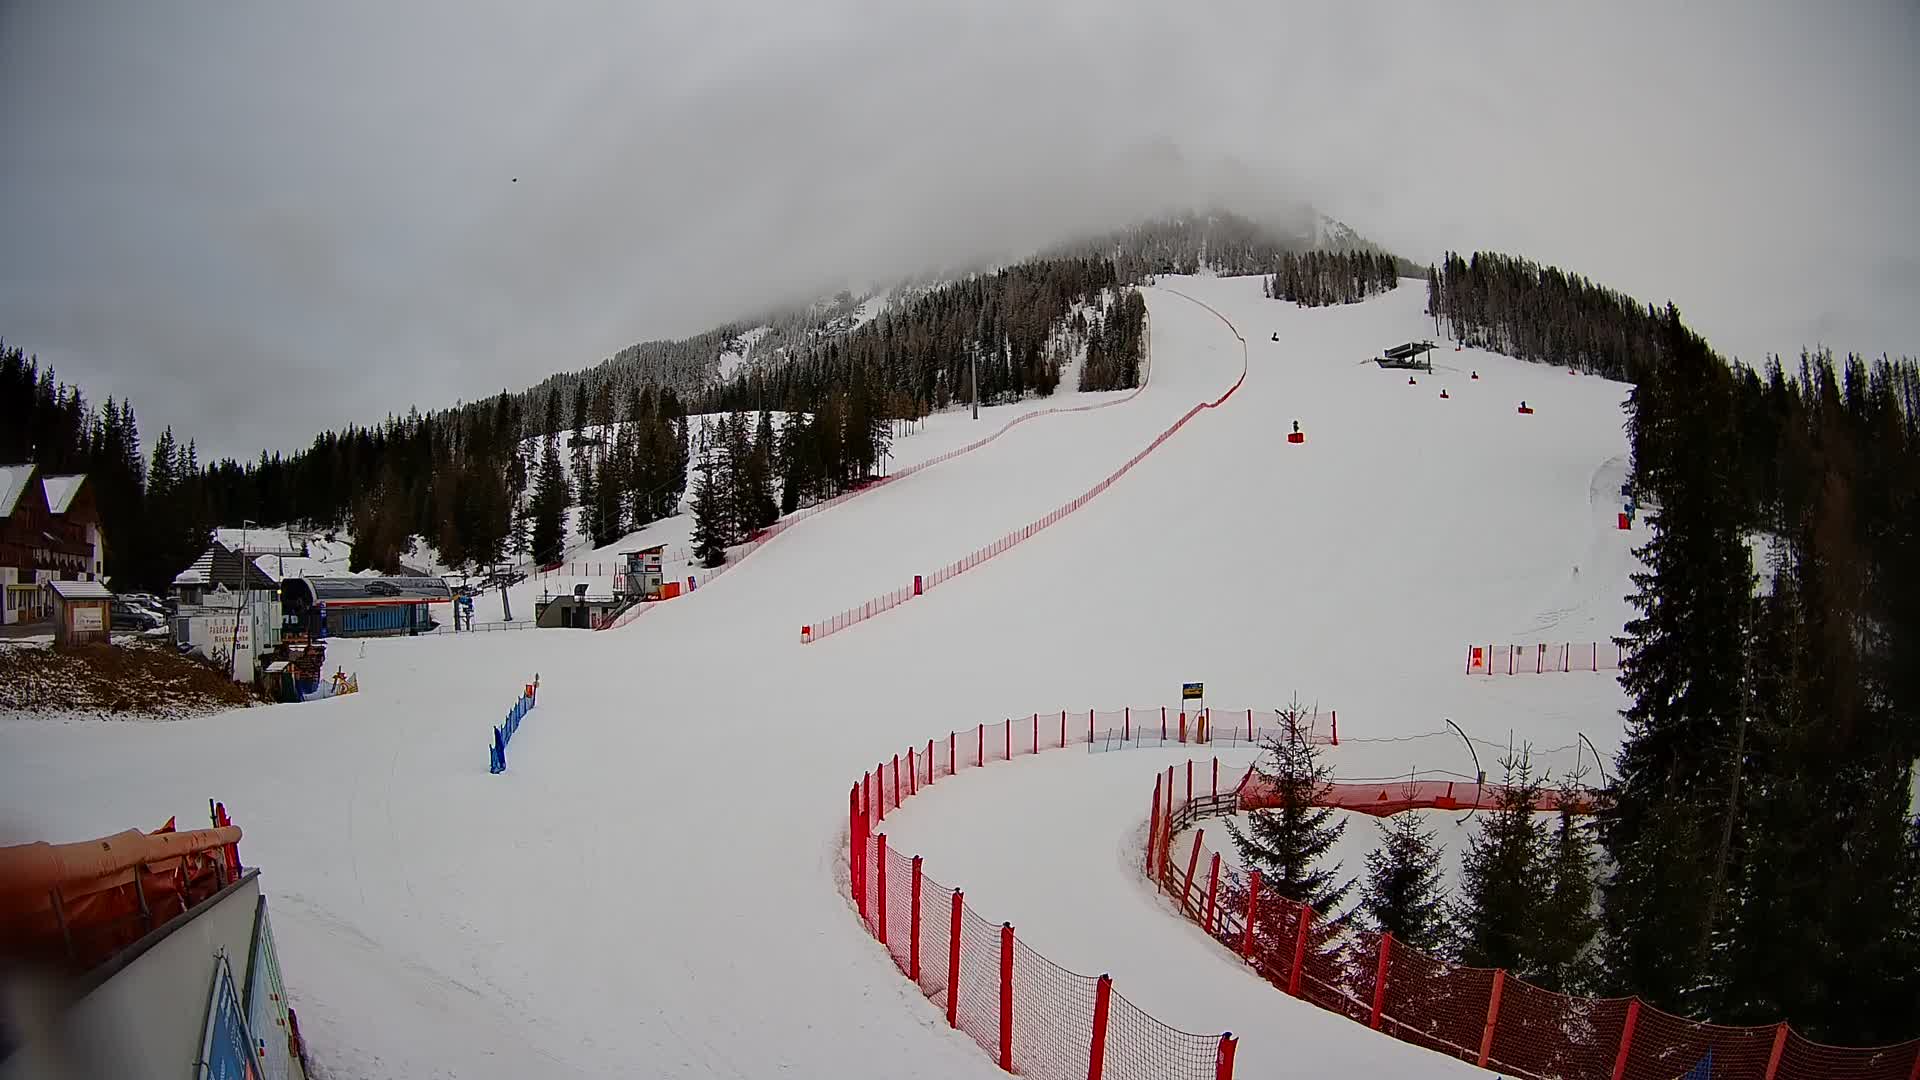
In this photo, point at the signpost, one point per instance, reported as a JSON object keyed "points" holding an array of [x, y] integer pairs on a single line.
{"points": [[226, 1049]]}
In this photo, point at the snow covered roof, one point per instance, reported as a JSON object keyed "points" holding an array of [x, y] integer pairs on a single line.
{"points": [[61, 489], [281, 567], [13, 481], [253, 541], [80, 590], [200, 573]]}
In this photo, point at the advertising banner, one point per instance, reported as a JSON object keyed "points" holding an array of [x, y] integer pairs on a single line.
{"points": [[226, 1049]]}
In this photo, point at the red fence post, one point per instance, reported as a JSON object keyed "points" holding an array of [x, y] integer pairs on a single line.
{"points": [[1097, 1053], [1189, 781], [896, 781], [981, 750], [1299, 950], [933, 773], [880, 790], [1153, 823], [1216, 776], [882, 882], [1336, 727], [1223, 1065], [1380, 980], [913, 946], [1036, 733], [1493, 1015], [857, 850], [953, 961], [1213, 889], [1780, 1047], [1163, 723], [1006, 997], [1626, 1039], [913, 774], [1063, 728], [1253, 906], [1193, 865], [1008, 726], [1126, 723], [1183, 726]]}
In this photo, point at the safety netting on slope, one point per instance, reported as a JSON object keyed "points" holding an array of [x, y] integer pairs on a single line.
{"points": [[1480, 1015], [1030, 1015]]}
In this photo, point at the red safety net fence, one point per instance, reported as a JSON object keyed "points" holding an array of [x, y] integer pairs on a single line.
{"points": [[859, 613], [1032, 1016], [1484, 1016], [1544, 657]]}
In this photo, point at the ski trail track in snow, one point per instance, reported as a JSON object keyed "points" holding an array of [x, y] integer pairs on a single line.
{"points": [[654, 887]]}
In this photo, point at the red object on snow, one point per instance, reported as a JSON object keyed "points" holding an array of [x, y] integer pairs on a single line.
{"points": [[1625, 522], [1296, 437], [1525, 411], [1476, 374], [1443, 393]]}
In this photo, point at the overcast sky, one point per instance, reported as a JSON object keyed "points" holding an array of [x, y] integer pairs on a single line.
{"points": [[258, 220]]}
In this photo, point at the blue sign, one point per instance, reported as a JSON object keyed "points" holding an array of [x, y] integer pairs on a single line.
{"points": [[226, 1051]]}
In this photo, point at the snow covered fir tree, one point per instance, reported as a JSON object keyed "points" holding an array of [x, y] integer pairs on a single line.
{"points": [[1288, 841]]}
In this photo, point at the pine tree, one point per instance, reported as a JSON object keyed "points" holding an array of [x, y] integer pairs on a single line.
{"points": [[1288, 841], [1401, 893], [1563, 956], [1498, 914], [709, 516], [550, 502]]}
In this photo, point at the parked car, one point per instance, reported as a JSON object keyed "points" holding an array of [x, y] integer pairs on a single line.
{"points": [[127, 615]]}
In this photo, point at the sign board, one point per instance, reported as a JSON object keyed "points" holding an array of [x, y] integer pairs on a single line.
{"points": [[226, 1049], [267, 1002], [88, 617], [1192, 691]]}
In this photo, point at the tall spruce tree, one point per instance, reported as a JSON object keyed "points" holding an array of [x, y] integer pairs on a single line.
{"points": [[709, 514], [1563, 957], [1402, 893], [551, 500], [1678, 769], [1499, 913], [1289, 841]]}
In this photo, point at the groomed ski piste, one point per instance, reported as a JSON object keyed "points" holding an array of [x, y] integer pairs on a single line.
{"points": [[658, 883]]}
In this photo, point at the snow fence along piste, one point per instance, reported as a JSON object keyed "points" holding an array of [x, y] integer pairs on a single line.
{"points": [[833, 624], [1544, 657], [737, 555], [1033, 1017], [503, 733], [1481, 1015]]}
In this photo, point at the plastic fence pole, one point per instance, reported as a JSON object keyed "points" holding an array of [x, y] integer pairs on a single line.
{"points": [[1193, 866], [1626, 1039], [1126, 724], [913, 774], [913, 944], [1153, 823], [1299, 950], [953, 763], [1213, 889], [1216, 777], [896, 781], [1223, 1064], [881, 862], [953, 960], [980, 753], [1006, 997], [857, 850], [880, 789], [1380, 982], [1253, 906], [1183, 726], [1493, 1015], [1097, 1052], [1249, 725], [1007, 728], [1779, 1048], [1163, 723], [1089, 727], [1063, 728], [1336, 727], [932, 772], [1036, 734], [1189, 781]]}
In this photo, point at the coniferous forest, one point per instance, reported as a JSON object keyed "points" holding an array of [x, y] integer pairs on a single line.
{"points": [[1319, 278], [1764, 859]]}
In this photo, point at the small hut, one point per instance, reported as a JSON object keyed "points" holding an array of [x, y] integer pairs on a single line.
{"points": [[82, 612]]}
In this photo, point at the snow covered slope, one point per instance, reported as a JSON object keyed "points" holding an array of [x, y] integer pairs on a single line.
{"points": [[652, 888]]}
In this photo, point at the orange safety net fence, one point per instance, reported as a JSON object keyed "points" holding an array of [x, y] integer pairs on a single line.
{"points": [[1479, 1015], [1030, 1015]]}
